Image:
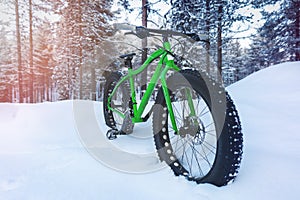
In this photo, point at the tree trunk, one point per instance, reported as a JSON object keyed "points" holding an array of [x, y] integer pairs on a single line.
{"points": [[207, 46], [297, 31], [93, 79], [80, 49], [18, 35], [31, 53], [144, 46], [219, 42]]}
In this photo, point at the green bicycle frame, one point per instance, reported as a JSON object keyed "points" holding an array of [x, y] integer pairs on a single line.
{"points": [[165, 64]]}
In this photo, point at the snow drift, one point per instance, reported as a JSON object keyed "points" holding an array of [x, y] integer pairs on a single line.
{"points": [[43, 152]]}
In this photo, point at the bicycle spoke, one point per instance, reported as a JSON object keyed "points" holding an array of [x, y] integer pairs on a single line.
{"points": [[196, 157], [210, 146], [205, 113], [183, 146], [178, 148], [194, 160], [201, 113], [204, 157], [209, 125]]}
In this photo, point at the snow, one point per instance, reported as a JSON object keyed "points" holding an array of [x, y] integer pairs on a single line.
{"points": [[59, 151]]}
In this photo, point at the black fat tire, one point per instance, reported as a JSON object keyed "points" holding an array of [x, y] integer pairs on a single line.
{"points": [[111, 81], [230, 139]]}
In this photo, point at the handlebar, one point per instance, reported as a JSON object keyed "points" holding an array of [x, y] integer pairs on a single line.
{"points": [[143, 32]]}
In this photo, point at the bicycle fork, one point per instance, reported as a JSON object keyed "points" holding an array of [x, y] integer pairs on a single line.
{"points": [[168, 98]]}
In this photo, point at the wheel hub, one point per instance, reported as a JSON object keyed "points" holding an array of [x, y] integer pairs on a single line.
{"points": [[193, 128]]}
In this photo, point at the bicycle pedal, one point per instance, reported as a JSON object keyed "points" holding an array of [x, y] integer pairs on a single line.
{"points": [[111, 134]]}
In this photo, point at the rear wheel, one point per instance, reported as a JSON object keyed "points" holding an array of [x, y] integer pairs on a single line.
{"points": [[120, 101], [207, 147]]}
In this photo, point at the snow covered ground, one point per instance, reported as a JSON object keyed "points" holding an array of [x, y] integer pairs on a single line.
{"points": [[56, 150]]}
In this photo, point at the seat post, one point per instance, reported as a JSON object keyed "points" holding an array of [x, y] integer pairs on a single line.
{"points": [[128, 62], [127, 59]]}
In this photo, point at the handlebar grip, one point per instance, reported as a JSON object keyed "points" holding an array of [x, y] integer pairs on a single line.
{"points": [[124, 26]]}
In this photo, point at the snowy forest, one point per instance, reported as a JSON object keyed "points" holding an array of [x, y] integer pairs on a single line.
{"points": [[58, 50]]}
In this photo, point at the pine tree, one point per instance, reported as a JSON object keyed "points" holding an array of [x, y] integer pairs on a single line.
{"points": [[235, 62], [43, 61], [82, 26], [258, 53], [212, 17], [281, 31], [8, 69], [21, 15], [19, 52]]}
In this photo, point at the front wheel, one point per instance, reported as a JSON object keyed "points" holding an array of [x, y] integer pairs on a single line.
{"points": [[208, 145]]}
